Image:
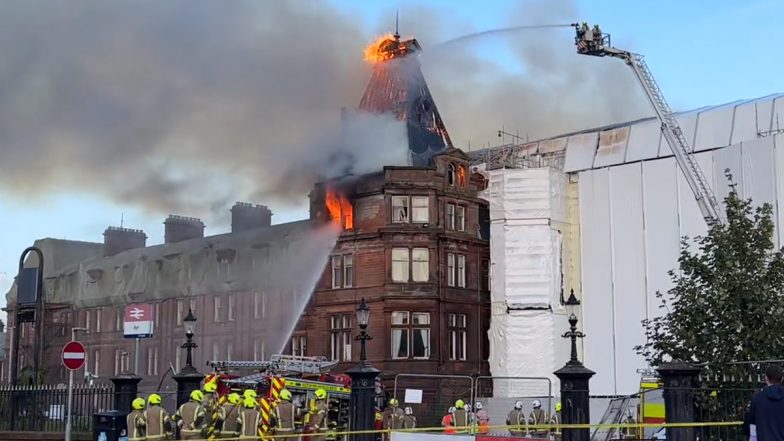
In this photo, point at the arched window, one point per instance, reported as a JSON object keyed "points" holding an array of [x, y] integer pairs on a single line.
{"points": [[451, 174]]}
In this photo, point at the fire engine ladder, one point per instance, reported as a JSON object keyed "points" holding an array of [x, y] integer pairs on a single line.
{"points": [[613, 415], [280, 363], [598, 45]]}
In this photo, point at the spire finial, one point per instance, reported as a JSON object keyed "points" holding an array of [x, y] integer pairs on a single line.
{"points": [[397, 23]]}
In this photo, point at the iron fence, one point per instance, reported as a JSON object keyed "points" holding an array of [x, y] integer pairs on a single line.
{"points": [[43, 408]]}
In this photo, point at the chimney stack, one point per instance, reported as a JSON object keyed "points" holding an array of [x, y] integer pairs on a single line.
{"points": [[246, 216], [118, 239], [179, 228]]}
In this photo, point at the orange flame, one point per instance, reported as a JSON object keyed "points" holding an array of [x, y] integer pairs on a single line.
{"points": [[340, 209], [378, 50], [461, 176]]}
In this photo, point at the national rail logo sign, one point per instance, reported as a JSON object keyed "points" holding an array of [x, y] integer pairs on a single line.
{"points": [[139, 321]]}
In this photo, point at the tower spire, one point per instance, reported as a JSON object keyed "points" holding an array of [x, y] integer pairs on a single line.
{"points": [[397, 24]]}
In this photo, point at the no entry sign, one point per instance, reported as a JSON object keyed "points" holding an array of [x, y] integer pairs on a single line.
{"points": [[73, 355]]}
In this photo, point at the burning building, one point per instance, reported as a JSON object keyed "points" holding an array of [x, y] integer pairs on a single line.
{"points": [[406, 238]]}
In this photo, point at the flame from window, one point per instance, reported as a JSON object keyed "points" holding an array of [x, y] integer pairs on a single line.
{"points": [[461, 176], [380, 50], [340, 209]]}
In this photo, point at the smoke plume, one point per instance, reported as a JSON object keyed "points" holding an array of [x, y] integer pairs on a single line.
{"points": [[187, 105]]}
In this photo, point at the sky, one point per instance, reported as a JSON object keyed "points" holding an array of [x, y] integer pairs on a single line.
{"points": [[110, 114]]}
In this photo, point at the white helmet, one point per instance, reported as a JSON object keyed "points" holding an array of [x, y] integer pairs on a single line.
{"points": [[478, 405], [536, 404], [518, 404], [467, 408], [452, 409], [409, 411]]}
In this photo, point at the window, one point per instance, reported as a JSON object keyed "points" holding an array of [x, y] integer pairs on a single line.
{"points": [[420, 211], [399, 209], [96, 362], [410, 338], [461, 271], [118, 317], [450, 216], [98, 319], [157, 314], [179, 312], [258, 350], [232, 306], [457, 336], [229, 351], [400, 264], [461, 176], [485, 276], [460, 218], [117, 361], [87, 319], [152, 361], [336, 271], [177, 359], [451, 175], [420, 268], [340, 337], [299, 345], [215, 351], [217, 306], [259, 305], [348, 271], [193, 306], [450, 269]]}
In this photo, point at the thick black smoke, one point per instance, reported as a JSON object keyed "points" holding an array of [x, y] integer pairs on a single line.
{"points": [[187, 105]]}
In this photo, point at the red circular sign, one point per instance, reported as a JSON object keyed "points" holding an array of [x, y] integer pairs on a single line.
{"points": [[74, 355]]}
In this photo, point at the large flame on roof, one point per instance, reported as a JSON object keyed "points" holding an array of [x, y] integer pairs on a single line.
{"points": [[340, 209], [380, 50]]}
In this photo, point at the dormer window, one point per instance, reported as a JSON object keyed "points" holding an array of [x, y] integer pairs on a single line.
{"points": [[456, 175], [451, 175]]}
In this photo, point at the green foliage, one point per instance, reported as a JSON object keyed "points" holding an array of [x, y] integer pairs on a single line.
{"points": [[727, 304]]}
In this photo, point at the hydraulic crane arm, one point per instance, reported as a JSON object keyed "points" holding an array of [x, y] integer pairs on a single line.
{"points": [[591, 41]]}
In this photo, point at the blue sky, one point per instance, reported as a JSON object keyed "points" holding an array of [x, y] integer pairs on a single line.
{"points": [[701, 53]]}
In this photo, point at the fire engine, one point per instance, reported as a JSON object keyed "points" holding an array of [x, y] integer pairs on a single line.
{"points": [[300, 375]]}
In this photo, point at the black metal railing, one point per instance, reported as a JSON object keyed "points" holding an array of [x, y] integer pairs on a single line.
{"points": [[43, 408]]}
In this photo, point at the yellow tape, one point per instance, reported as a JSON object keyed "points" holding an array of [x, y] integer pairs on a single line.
{"points": [[544, 426]]}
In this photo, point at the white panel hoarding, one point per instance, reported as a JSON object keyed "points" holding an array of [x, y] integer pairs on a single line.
{"points": [[778, 154], [713, 128], [644, 140], [745, 125], [692, 223], [759, 179], [597, 279], [662, 244], [612, 147], [580, 150], [626, 208], [724, 159]]}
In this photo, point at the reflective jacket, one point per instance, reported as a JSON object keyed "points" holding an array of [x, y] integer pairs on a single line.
{"points": [[190, 418], [248, 423], [136, 425], [157, 420]]}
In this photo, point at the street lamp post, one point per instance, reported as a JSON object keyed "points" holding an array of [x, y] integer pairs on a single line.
{"points": [[189, 378], [574, 379], [363, 383]]}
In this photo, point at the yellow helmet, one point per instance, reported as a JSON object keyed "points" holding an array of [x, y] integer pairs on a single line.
{"points": [[154, 399], [321, 394], [249, 393], [459, 404], [197, 395], [558, 406], [234, 398], [285, 395], [249, 403], [138, 403], [210, 387], [393, 402]]}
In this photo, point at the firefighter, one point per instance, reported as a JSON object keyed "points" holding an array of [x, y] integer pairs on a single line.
{"points": [[516, 419], [158, 421], [211, 406], [482, 418], [229, 412], [409, 420], [190, 417], [556, 420], [447, 422], [137, 425], [538, 417], [319, 421], [285, 415], [249, 420], [460, 417], [393, 416]]}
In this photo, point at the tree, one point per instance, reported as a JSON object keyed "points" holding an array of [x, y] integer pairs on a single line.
{"points": [[727, 304]]}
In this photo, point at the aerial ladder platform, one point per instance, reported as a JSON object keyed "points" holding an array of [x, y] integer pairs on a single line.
{"points": [[279, 364], [592, 41]]}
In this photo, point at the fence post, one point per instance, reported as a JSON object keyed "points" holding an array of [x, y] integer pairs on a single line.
{"points": [[125, 390], [679, 380]]}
